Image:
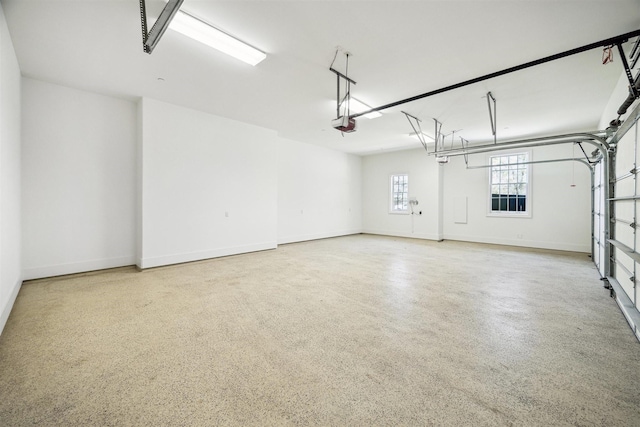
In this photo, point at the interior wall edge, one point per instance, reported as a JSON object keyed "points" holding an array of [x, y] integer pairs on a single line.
{"points": [[139, 176], [78, 160], [161, 261], [11, 258]]}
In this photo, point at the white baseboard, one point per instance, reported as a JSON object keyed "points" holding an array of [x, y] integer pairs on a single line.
{"points": [[423, 236], [570, 247], [6, 310], [77, 267], [160, 261], [317, 236]]}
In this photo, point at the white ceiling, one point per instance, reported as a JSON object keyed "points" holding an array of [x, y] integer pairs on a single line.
{"points": [[399, 49]]}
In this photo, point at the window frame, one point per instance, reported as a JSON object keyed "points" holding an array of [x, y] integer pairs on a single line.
{"points": [[527, 213], [393, 211]]}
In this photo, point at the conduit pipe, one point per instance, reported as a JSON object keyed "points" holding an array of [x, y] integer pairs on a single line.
{"points": [[586, 137]]}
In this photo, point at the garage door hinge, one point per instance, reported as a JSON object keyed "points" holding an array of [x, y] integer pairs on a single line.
{"points": [[632, 225]]}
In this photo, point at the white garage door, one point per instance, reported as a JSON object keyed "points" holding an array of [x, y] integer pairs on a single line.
{"points": [[625, 210]]}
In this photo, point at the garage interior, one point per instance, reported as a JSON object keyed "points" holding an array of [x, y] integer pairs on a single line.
{"points": [[408, 213]]}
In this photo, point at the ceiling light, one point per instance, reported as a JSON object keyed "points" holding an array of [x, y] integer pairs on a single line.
{"points": [[200, 31], [357, 106]]}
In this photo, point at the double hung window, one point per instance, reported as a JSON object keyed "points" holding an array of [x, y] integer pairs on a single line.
{"points": [[509, 183], [399, 193]]}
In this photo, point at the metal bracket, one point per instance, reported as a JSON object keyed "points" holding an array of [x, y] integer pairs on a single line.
{"points": [[594, 154], [437, 134], [150, 39], [417, 129], [347, 96], [466, 156], [493, 117]]}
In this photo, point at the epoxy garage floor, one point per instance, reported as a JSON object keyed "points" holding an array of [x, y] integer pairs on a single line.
{"points": [[358, 330]]}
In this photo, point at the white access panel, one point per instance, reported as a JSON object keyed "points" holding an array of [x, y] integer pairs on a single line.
{"points": [[460, 209]]}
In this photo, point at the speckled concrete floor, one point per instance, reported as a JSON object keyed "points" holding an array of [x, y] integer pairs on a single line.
{"points": [[358, 330]]}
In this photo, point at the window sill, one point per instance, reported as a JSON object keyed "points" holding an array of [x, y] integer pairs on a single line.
{"points": [[509, 215], [399, 212]]}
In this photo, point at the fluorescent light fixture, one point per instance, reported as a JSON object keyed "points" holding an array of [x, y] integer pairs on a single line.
{"points": [[200, 31], [357, 106]]}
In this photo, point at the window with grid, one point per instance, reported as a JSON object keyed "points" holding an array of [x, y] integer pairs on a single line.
{"points": [[400, 193], [510, 184]]}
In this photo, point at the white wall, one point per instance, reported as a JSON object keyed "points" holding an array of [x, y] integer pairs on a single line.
{"points": [[319, 192], [10, 254], [78, 180], [561, 214], [424, 184], [108, 182], [208, 186]]}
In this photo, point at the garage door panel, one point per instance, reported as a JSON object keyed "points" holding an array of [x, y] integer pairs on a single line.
{"points": [[624, 271], [624, 210], [626, 154], [624, 233], [626, 187], [635, 297], [624, 260]]}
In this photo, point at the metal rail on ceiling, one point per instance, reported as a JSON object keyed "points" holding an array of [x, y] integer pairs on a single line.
{"points": [[151, 38], [588, 137], [535, 162], [622, 38]]}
